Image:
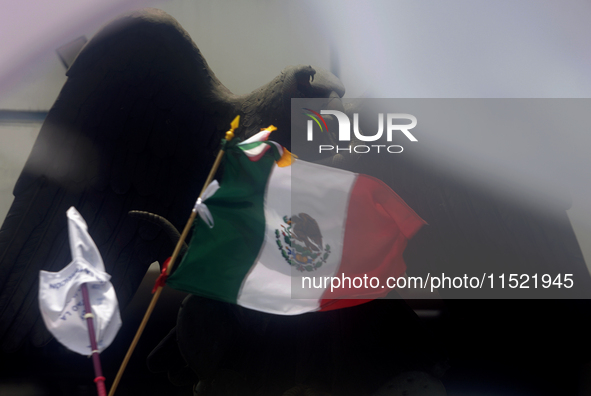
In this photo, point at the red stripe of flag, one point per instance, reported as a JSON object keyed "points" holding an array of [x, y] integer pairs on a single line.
{"points": [[378, 226]]}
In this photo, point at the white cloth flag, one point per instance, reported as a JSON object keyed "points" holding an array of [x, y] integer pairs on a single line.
{"points": [[60, 296]]}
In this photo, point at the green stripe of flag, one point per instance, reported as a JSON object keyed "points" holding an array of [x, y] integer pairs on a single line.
{"points": [[234, 242]]}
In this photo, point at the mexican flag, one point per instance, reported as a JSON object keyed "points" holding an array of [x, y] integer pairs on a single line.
{"points": [[283, 231]]}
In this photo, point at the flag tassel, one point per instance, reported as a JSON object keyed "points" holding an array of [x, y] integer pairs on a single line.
{"points": [[96, 360], [177, 249]]}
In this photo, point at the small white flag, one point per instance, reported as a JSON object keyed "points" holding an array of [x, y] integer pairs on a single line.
{"points": [[60, 296]]}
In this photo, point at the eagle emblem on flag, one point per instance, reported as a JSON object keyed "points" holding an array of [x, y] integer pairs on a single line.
{"points": [[300, 242]]}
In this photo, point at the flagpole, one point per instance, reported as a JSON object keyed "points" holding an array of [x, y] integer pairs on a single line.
{"points": [[96, 360], [177, 249]]}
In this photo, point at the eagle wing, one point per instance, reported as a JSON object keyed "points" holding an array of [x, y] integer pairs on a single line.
{"points": [[135, 127]]}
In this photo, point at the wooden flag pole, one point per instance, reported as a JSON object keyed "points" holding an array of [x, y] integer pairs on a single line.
{"points": [[177, 249]]}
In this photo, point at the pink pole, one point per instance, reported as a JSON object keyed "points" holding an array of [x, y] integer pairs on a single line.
{"points": [[96, 361]]}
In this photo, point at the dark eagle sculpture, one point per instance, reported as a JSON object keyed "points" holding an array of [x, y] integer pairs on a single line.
{"points": [[137, 126]]}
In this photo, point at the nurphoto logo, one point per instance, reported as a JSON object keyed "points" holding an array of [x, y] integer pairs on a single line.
{"points": [[393, 125]]}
